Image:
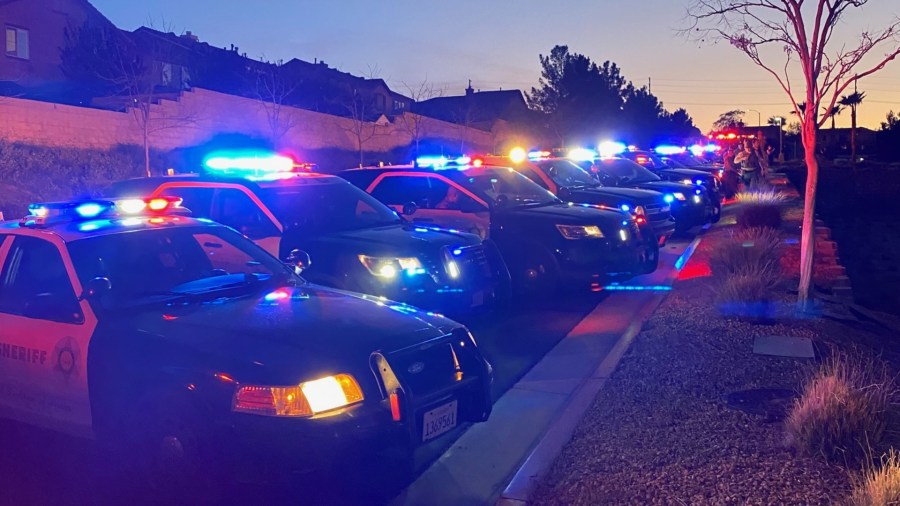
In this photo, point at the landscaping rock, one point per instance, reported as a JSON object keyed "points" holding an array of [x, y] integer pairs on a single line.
{"points": [[784, 346]]}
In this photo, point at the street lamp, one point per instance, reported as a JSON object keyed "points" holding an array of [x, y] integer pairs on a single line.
{"points": [[779, 121], [758, 117]]}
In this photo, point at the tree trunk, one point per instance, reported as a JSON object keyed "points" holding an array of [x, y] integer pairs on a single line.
{"points": [[853, 135], [147, 153], [808, 232]]}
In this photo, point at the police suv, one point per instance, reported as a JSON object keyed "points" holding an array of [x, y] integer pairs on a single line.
{"points": [[188, 345], [356, 243]]}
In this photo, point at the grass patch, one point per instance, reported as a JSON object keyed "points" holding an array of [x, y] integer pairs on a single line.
{"points": [[844, 409], [760, 208], [749, 251], [878, 486]]}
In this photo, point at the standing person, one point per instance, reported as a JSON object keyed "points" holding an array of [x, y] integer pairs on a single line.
{"points": [[731, 176], [760, 147], [750, 165]]}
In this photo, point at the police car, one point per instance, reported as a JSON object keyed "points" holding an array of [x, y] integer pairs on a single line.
{"points": [[572, 183], [188, 345], [545, 241], [356, 243]]}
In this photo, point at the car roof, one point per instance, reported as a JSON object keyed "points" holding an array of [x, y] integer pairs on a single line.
{"points": [[144, 185], [73, 230]]}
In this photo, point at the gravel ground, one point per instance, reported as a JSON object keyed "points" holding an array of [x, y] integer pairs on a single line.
{"points": [[660, 432]]}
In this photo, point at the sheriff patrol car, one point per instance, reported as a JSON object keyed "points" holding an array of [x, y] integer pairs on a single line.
{"points": [[187, 344]]}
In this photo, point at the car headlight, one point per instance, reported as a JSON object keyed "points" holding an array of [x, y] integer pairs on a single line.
{"points": [[698, 199], [579, 231], [639, 210], [306, 399], [390, 267], [686, 181], [679, 196]]}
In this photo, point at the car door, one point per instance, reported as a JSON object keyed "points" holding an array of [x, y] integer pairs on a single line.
{"points": [[45, 333], [439, 201], [236, 208]]}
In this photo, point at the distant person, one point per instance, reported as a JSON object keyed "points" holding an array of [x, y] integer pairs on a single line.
{"points": [[731, 176], [451, 200], [750, 166]]}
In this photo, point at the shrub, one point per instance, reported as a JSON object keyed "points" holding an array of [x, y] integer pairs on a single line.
{"points": [[35, 173], [843, 409], [760, 208], [878, 486], [750, 251]]}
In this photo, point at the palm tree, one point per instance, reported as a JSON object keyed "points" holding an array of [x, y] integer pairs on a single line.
{"points": [[852, 101], [801, 106], [837, 109]]}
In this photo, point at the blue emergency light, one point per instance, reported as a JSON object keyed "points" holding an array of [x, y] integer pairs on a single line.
{"points": [[48, 213]]}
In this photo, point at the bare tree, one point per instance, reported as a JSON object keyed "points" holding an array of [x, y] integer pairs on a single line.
{"points": [[803, 29], [135, 78], [274, 90], [415, 124], [362, 127]]}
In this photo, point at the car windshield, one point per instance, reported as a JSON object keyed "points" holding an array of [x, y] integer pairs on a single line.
{"points": [[566, 173], [322, 208], [687, 160], [626, 171], [145, 265], [506, 185]]}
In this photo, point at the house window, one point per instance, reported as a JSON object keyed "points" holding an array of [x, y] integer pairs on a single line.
{"points": [[16, 42]]}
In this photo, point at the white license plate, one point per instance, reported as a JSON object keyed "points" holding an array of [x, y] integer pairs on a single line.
{"points": [[438, 421], [478, 299]]}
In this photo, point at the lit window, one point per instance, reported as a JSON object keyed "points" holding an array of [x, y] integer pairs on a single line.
{"points": [[17, 42]]}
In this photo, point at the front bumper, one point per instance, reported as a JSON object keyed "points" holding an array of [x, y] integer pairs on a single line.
{"points": [[482, 282], [689, 214], [263, 449], [587, 261], [663, 229]]}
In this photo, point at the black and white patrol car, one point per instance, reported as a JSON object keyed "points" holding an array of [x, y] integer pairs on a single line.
{"points": [[188, 345]]}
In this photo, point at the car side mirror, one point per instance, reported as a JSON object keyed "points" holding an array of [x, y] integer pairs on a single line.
{"points": [[502, 201], [299, 260], [410, 209], [564, 193], [95, 287]]}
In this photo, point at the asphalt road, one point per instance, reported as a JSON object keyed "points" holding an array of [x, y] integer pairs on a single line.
{"points": [[39, 467]]}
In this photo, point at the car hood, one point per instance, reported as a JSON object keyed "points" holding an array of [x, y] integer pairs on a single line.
{"points": [[567, 215], [686, 173], [305, 330], [667, 187], [401, 239], [615, 196]]}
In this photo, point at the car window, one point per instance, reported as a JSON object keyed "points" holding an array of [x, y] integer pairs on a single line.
{"points": [[236, 209], [566, 173], [401, 190], [315, 209], [34, 277], [197, 200], [442, 195], [156, 262], [625, 171], [533, 176]]}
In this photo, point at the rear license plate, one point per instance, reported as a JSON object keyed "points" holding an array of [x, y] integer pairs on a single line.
{"points": [[478, 299], [438, 421]]}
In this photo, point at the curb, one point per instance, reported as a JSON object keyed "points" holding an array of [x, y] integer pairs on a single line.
{"points": [[535, 466]]}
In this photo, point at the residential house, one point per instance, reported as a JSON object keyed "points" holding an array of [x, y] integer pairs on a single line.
{"points": [[35, 31]]}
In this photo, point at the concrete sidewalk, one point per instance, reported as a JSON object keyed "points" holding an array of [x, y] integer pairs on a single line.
{"points": [[530, 419]]}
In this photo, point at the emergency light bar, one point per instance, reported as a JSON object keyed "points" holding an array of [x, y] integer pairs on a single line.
{"points": [[48, 213], [608, 149], [583, 155], [254, 165], [439, 162], [670, 150]]}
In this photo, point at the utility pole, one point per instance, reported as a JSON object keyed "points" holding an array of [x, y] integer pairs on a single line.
{"points": [[650, 85]]}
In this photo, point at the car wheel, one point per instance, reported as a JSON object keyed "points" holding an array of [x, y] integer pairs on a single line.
{"points": [[536, 274], [717, 213], [650, 259], [172, 452]]}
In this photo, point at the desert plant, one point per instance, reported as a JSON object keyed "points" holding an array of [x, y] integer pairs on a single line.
{"points": [[749, 251], [760, 207], [878, 486], [843, 409]]}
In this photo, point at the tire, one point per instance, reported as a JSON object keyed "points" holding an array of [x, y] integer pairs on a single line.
{"points": [[170, 450], [536, 273], [718, 215], [651, 262]]}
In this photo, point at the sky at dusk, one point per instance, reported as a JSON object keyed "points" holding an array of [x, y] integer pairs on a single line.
{"points": [[496, 45]]}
